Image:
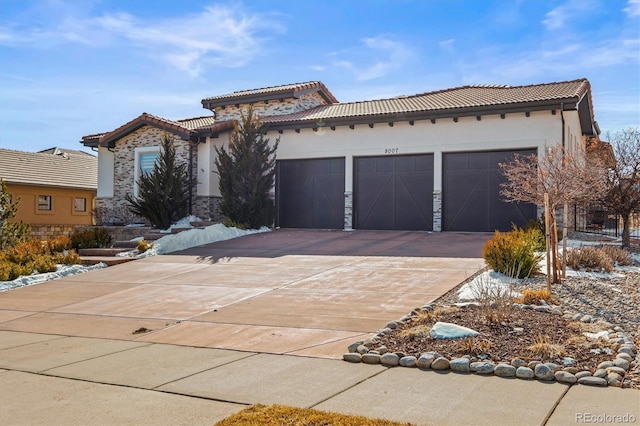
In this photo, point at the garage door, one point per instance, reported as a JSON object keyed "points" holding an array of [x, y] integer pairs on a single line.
{"points": [[394, 192], [310, 193], [471, 198]]}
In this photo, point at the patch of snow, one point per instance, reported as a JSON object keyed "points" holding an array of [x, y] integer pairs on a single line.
{"points": [[185, 222], [489, 282], [61, 271], [196, 237]]}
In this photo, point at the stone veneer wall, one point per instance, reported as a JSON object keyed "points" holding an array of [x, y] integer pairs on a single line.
{"points": [[208, 208], [437, 211], [45, 232], [275, 107], [124, 167], [348, 210]]}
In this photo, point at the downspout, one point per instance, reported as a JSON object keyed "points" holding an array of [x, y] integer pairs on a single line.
{"points": [[565, 207], [190, 177]]}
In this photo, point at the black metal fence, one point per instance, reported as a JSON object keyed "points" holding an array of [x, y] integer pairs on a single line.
{"points": [[597, 220]]}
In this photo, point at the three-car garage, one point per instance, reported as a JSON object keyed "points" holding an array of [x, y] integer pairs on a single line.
{"points": [[396, 192]]}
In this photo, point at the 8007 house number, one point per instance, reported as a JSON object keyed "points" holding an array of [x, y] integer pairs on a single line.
{"points": [[391, 150]]}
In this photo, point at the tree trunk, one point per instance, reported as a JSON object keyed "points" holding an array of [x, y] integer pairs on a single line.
{"points": [[554, 247], [547, 235], [626, 232]]}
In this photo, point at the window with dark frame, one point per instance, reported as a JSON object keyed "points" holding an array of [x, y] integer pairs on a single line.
{"points": [[44, 202], [79, 204]]}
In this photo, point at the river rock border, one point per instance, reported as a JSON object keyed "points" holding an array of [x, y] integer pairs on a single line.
{"points": [[608, 373]]}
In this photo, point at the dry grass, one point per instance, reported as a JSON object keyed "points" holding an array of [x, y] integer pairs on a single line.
{"points": [[545, 350], [279, 415], [428, 317], [532, 296], [496, 303], [470, 346], [418, 331]]}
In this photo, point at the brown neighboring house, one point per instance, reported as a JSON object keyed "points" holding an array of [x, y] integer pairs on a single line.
{"points": [[56, 188]]}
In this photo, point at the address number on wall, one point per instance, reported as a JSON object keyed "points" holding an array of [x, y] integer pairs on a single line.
{"points": [[391, 150]]}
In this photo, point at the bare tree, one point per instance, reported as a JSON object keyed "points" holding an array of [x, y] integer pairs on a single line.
{"points": [[623, 178], [563, 177]]}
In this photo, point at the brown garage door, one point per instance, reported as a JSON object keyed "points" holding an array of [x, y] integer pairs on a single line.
{"points": [[310, 193], [394, 192], [471, 198]]}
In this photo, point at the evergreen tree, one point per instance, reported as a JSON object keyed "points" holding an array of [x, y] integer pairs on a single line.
{"points": [[164, 194], [11, 233], [247, 172]]}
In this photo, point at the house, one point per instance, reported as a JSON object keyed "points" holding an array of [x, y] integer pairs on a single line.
{"points": [[422, 162], [56, 188]]}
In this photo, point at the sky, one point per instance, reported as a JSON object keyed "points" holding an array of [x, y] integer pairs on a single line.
{"points": [[69, 68]]}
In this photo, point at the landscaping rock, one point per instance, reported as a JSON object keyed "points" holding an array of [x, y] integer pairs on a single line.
{"points": [[382, 350], [517, 362], [617, 370], [352, 357], [445, 330], [601, 373], [389, 360], [571, 370], [605, 364], [565, 377], [614, 379], [624, 356], [524, 373], [392, 325], [582, 374], [440, 363], [592, 381], [354, 346], [408, 361], [504, 370], [543, 372], [362, 349], [459, 365], [371, 358], [425, 360], [532, 364], [482, 367]]}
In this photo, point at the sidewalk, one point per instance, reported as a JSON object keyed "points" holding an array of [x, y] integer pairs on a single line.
{"points": [[70, 380]]}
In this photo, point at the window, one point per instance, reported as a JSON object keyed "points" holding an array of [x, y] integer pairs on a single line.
{"points": [[79, 204], [44, 202], [147, 162], [145, 158]]}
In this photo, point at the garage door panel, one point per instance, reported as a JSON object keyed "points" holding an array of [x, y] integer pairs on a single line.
{"points": [[310, 193], [396, 194], [471, 194]]}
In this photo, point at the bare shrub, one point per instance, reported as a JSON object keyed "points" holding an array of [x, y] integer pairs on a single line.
{"points": [[495, 301], [617, 255], [590, 259]]}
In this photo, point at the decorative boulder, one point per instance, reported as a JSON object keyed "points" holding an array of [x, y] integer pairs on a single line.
{"points": [[445, 330]]}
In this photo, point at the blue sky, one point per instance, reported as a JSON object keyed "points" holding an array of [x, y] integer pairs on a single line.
{"points": [[72, 68]]}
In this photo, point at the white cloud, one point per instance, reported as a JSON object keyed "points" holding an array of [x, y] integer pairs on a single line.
{"points": [[447, 45], [218, 36], [559, 17], [633, 8], [387, 53]]}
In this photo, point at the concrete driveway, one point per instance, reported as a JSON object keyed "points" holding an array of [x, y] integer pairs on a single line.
{"points": [[299, 292]]}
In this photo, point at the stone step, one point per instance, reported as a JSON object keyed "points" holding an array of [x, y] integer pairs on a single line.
{"points": [[109, 260], [125, 244], [101, 251]]}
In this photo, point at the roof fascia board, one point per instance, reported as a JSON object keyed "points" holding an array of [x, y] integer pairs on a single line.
{"points": [[110, 140], [425, 115]]}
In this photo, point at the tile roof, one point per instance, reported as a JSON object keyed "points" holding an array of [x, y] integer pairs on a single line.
{"points": [[67, 170], [269, 93], [197, 122], [458, 99]]}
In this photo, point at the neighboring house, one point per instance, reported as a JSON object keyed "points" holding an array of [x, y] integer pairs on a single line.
{"points": [[56, 188], [421, 162]]}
